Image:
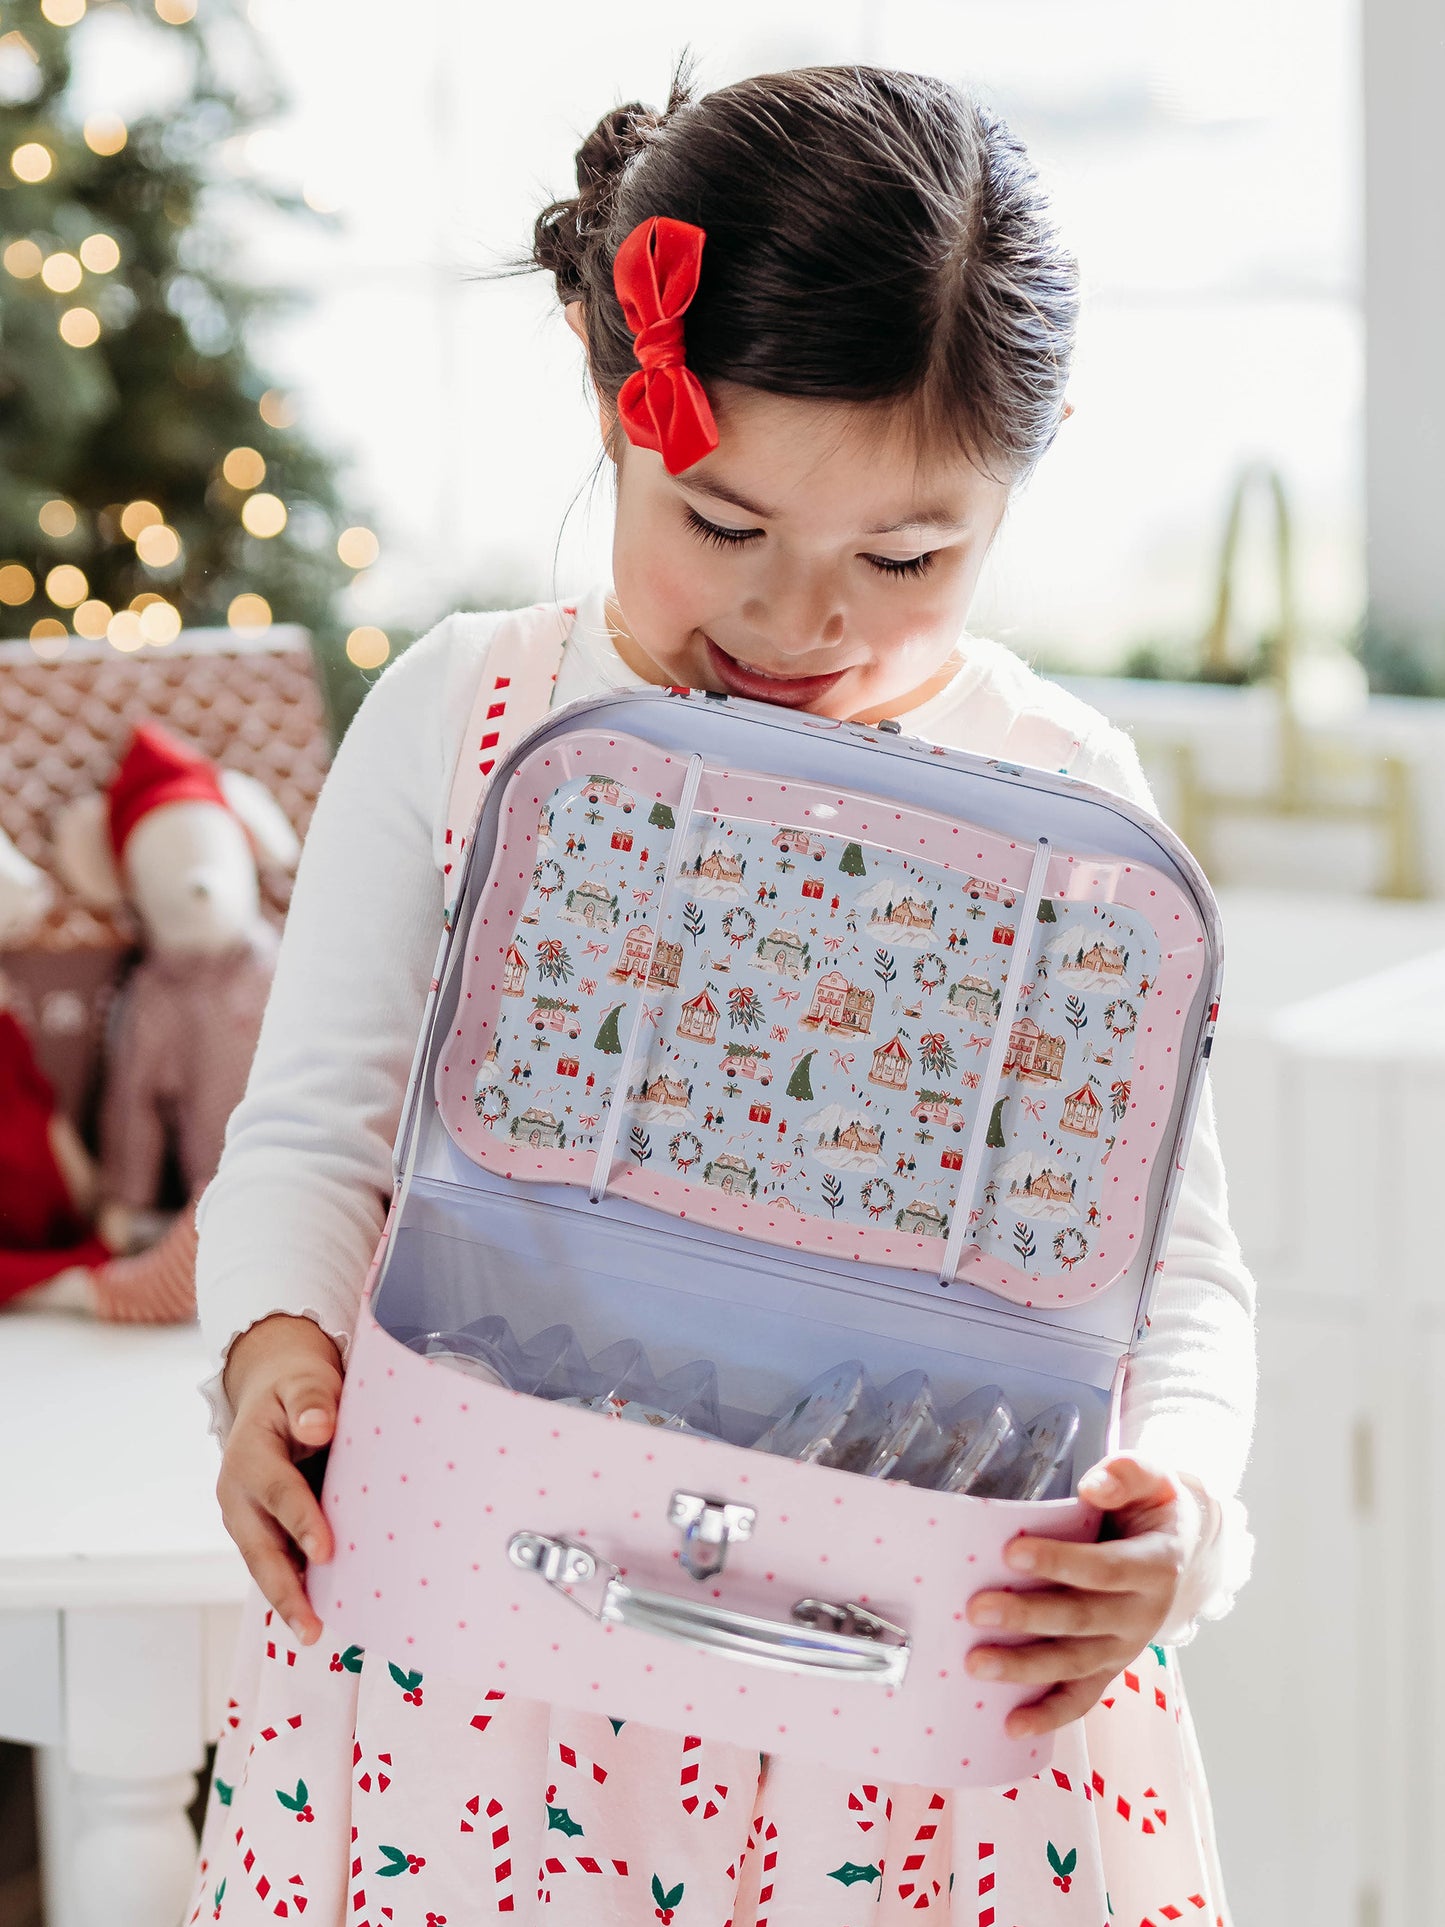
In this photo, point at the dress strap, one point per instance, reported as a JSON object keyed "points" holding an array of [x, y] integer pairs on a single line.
{"points": [[513, 692]]}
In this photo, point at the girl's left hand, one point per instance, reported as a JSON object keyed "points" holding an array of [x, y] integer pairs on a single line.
{"points": [[1103, 1603]]}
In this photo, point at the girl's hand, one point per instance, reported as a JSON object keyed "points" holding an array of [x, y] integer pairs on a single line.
{"points": [[1103, 1603], [283, 1378]]}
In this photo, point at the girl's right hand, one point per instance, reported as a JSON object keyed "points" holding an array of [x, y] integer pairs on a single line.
{"points": [[283, 1378]]}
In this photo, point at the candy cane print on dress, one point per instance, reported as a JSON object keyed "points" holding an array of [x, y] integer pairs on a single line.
{"points": [[514, 691]]}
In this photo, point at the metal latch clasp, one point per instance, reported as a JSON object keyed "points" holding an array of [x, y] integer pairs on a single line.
{"points": [[849, 1618], [708, 1527]]}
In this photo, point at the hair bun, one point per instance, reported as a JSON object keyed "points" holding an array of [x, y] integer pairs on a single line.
{"points": [[610, 146], [565, 231]]}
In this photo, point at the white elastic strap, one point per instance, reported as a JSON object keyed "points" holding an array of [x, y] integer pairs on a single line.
{"points": [[602, 1168], [993, 1065]]}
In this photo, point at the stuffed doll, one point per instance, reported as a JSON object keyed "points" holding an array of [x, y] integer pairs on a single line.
{"points": [[48, 1183], [178, 840]]}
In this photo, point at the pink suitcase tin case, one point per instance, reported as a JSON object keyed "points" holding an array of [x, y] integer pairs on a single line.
{"points": [[771, 1041]]}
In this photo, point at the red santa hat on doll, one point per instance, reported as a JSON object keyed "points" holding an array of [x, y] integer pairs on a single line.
{"points": [[157, 769]]}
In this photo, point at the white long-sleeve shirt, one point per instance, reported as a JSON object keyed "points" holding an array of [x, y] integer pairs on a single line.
{"points": [[291, 1219]]}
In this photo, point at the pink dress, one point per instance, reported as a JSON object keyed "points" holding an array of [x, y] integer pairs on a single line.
{"points": [[350, 1789]]}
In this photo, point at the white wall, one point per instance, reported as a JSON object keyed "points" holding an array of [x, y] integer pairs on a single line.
{"points": [[1404, 292], [1205, 163]]}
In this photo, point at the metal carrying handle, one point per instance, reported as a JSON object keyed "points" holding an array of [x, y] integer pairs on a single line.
{"points": [[872, 1649]]}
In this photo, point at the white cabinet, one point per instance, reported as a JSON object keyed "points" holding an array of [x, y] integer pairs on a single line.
{"points": [[1275, 1690], [1321, 1699]]}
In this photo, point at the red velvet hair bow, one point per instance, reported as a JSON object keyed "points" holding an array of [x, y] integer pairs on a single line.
{"points": [[662, 406]]}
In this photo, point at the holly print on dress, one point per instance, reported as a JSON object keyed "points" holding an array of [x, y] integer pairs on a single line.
{"points": [[850, 1873], [1063, 1866], [667, 1900], [410, 1684], [297, 1802], [399, 1861]]}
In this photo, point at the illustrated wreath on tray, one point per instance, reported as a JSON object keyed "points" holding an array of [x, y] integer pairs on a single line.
{"points": [[878, 1197]]}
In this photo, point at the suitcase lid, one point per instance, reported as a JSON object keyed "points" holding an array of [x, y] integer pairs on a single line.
{"points": [[744, 976]]}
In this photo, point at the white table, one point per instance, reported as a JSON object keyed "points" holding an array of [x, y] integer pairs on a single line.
{"points": [[119, 1599]]}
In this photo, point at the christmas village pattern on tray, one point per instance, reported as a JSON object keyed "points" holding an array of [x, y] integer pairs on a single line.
{"points": [[816, 1012]]}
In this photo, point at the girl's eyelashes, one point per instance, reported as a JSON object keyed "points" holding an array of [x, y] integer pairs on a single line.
{"points": [[737, 538], [915, 565], [710, 532]]}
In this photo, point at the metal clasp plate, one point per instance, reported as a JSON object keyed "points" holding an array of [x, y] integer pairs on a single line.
{"points": [[559, 1563], [708, 1527]]}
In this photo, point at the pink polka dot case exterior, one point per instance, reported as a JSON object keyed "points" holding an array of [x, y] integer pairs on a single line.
{"points": [[772, 1042]]}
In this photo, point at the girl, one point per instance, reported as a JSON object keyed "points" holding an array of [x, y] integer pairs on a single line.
{"points": [[811, 464]]}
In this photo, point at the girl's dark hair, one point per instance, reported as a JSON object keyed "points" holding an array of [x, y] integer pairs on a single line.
{"points": [[872, 236]]}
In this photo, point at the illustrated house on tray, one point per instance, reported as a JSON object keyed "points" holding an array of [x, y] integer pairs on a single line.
{"points": [[666, 965], [731, 1174], [908, 914], [839, 1005], [592, 903], [631, 966], [1050, 1186], [538, 1128], [783, 950], [718, 866], [924, 1220], [1033, 1053], [670, 1092], [975, 998]]}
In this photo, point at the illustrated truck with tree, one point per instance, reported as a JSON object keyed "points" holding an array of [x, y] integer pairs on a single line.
{"points": [[606, 789], [799, 843], [555, 1013], [938, 1107]]}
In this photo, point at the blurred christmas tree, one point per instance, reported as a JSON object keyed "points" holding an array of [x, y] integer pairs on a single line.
{"points": [[150, 477]]}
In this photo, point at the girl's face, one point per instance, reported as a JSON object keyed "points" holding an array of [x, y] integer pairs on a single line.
{"points": [[805, 561]]}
